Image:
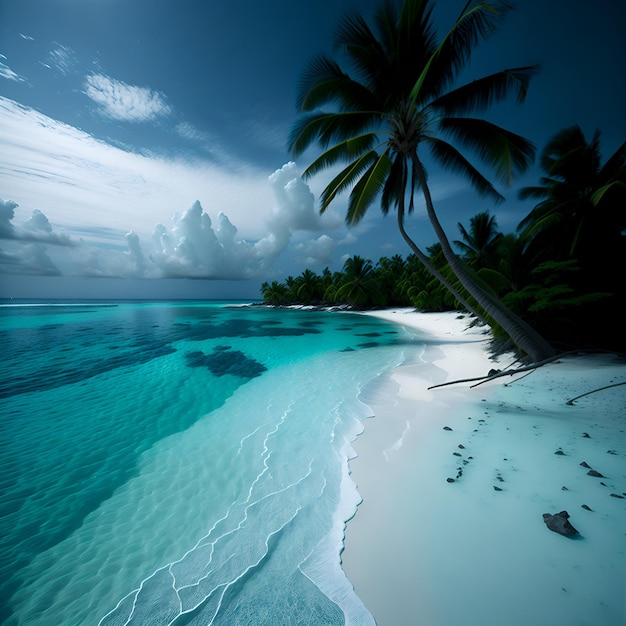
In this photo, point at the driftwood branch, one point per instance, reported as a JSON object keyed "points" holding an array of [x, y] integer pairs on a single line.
{"points": [[571, 402], [484, 379]]}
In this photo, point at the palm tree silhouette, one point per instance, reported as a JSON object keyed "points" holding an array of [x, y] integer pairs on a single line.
{"points": [[394, 101]]}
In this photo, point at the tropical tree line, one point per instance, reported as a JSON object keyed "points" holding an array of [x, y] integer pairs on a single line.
{"points": [[561, 271], [391, 100]]}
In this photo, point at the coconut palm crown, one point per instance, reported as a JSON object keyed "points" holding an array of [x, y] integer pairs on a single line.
{"points": [[396, 100]]}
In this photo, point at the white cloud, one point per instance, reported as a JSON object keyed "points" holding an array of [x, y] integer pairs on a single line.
{"points": [[36, 228], [190, 132], [127, 103], [88, 186], [117, 205], [320, 252], [7, 213], [9, 74], [295, 206], [193, 247], [61, 58]]}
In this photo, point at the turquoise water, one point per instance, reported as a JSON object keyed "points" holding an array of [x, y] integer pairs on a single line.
{"points": [[181, 463]]}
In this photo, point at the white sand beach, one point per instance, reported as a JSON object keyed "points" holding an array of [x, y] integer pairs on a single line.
{"points": [[455, 482]]}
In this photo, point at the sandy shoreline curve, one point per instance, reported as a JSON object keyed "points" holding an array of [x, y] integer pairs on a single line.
{"points": [[455, 482]]}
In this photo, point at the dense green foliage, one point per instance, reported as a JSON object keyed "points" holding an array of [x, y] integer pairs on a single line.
{"points": [[563, 271]]}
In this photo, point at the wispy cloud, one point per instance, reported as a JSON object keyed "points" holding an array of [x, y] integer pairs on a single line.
{"points": [[61, 58], [129, 103], [9, 74]]}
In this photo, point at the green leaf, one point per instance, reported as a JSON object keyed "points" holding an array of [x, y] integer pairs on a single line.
{"points": [[346, 178], [367, 189]]}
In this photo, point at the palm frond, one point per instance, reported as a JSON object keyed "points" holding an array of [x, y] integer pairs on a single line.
{"points": [[451, 159], [533, 193], [535, 223], [477, 21], [563, 142], [367, 189], [482, 93], [323, 82], [346, 150], [598, 195], [328, 128], [346, 178], [507, 153]]}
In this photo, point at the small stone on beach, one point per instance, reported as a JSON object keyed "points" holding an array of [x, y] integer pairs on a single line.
{"points": [[594, 474], [447, 428], [560, 524], [584, 464], [587, 508]]}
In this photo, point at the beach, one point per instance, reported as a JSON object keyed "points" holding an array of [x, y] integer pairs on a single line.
{"points": [[455, 482]]}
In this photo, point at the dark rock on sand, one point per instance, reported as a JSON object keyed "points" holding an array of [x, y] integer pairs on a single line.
{"points": [[560, 453], [560, 523], [616, 495], [447, 428], [450, 480], [595, 474], [587, 508], [584, 464]]}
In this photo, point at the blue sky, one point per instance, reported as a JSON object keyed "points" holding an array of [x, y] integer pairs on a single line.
{"points": [[143, 142]]}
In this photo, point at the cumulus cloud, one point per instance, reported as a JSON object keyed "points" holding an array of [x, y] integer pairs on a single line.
{"points": [[193, 246], [7, 213], [295, 204], [36, 228], [320, 251], [128, 103]]}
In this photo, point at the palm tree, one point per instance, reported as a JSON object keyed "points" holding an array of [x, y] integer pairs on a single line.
{"points": [[393, 101], [360, 287], [581, 201], [274, 293], [481, 241], [308, 287]]}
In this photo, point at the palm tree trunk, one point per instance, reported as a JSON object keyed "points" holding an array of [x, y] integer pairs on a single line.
{"points": [[425, 261], [523, 335]]}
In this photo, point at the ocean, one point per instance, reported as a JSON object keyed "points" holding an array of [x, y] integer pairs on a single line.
{"points": [[182, 462]]}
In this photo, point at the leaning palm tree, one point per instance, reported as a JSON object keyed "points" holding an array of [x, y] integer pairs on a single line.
{"points": [[394, 101]]}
